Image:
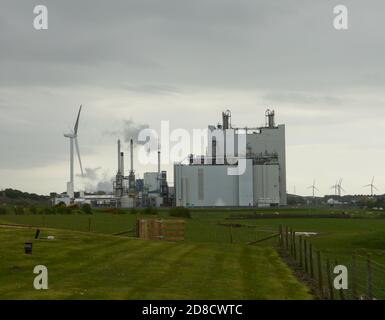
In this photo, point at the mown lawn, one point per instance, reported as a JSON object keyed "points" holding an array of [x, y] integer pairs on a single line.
{"points": [[95, 266]]}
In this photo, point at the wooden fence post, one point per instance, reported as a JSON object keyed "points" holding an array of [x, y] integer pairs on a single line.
{"points": [[305, 255], [291, 243], [354, 278], [370, 278], [330, 285], [300, 251], [311, 260], [280, 238], [320, 278], [294, 246], [286, 238]]}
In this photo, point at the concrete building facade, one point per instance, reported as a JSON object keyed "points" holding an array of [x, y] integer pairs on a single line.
{"points": [[205, 180]]}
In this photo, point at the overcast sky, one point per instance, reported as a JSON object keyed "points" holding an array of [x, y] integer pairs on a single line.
{"points": [[186, 61]]}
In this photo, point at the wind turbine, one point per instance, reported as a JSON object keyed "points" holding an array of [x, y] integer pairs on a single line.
{"points": [[73, 136], [335, 187], [371, 185], [339, 187], [313, 187]]}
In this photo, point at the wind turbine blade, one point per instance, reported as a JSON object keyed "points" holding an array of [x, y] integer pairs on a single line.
{"points": [[375, 188], [77, 121], [372, 180], [368, 185], [78, 153]]}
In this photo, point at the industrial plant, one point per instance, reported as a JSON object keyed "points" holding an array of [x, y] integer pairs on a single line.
{"points": [[129, 192], [242, 167], [205, 180]]}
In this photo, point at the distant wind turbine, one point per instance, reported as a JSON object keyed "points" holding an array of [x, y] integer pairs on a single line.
{"points": [[335, 187], [372, 186], [313, 187], [73, 136]]}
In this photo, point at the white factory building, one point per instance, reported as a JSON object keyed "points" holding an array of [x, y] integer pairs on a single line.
{"points": [[207, 181]]}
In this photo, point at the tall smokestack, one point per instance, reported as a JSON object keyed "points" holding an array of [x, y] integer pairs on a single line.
{"points": [[122, 163], [159, 177], [119, 157], [131, 155], [158, 159]]}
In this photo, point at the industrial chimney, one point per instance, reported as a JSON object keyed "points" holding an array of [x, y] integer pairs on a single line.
{"points": [[226, 124], [269, 114], [131, 155], [119, 157], [131, 177], [122, 163]]}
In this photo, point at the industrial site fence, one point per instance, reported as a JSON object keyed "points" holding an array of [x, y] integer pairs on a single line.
{"points": [[366, 278]]}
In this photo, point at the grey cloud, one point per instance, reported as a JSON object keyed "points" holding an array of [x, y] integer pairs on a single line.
{"points": [[302, 98], [152, 89], [187, 59], [217, 44]]}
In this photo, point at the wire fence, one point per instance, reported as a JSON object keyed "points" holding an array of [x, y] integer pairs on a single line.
{"points": [[365, 277]]}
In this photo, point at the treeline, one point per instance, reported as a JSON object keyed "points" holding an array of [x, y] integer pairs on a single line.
{"points": [[13, 196], [360, 201], [58, 209]]}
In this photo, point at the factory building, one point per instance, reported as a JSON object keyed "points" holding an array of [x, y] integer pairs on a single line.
{"points": [[130, 192], [208, 181]]}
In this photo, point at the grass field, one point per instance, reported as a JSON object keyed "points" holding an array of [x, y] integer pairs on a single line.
{"points": [[338, 239], [94, 266]]}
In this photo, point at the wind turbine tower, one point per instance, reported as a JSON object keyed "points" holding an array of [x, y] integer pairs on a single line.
{"points": [[339, 187], [73, 136], [335, 187], [314, 188], [372, 186]]}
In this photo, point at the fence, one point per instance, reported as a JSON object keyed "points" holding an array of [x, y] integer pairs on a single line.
{"points": [[159, 229], [366, 278]]}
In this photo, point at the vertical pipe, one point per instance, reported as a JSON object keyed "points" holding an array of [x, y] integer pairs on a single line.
{"points": [[118, 155], [131, 156], [159, 177], [122, 163]]}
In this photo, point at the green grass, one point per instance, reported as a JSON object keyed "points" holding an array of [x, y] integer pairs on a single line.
{"points": [[338, 239], [94, 266]]}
